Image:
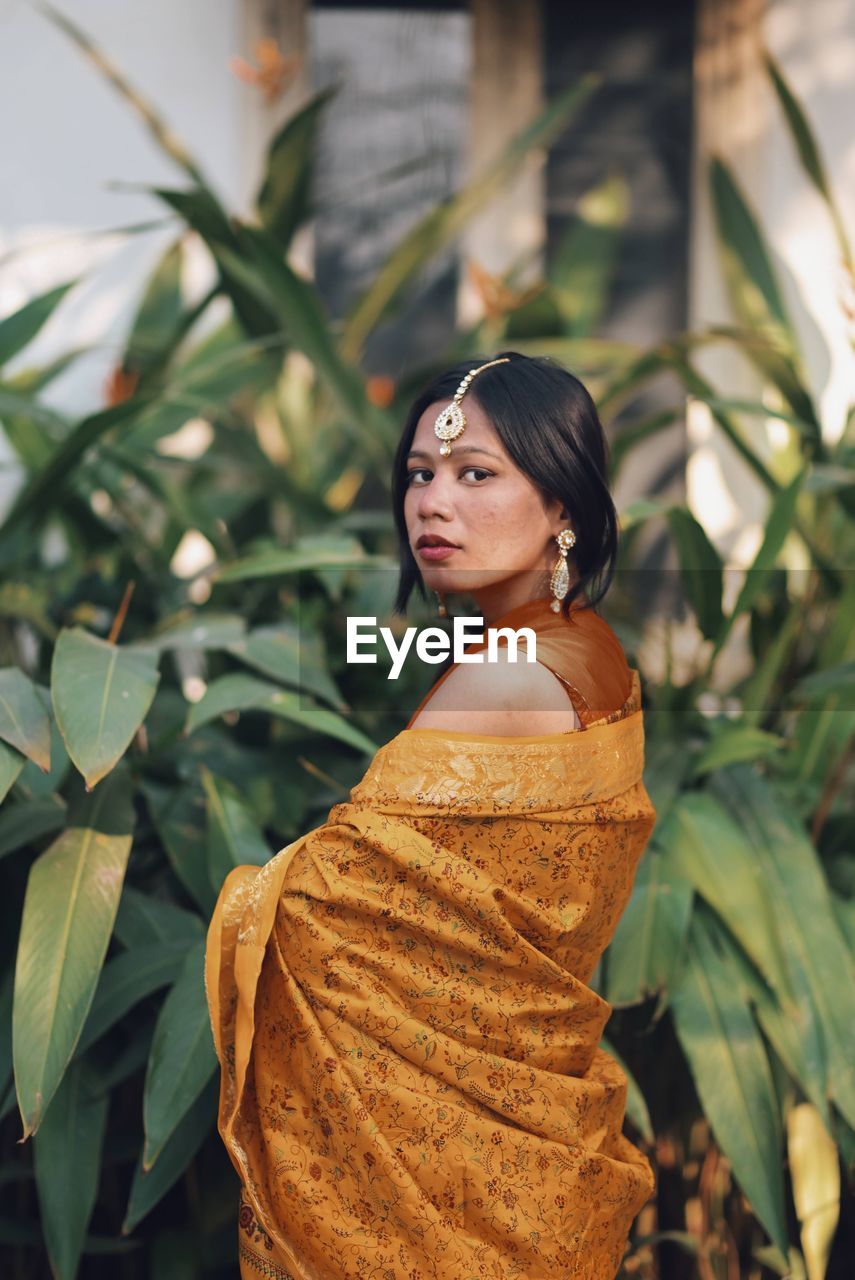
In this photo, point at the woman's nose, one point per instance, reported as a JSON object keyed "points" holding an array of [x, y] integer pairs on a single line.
{"points": [[435, 497]]}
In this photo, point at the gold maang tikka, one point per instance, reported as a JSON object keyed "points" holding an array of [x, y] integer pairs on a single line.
{"points": [[452, 420]]}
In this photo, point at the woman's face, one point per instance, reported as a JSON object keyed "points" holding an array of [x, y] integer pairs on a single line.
{"points": [[478, 499]]}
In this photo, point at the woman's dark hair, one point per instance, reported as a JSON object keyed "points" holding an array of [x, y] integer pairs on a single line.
{"points": [[549, 425]]}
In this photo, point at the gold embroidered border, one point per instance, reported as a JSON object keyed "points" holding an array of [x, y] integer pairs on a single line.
{"points": [[263, 1265]]}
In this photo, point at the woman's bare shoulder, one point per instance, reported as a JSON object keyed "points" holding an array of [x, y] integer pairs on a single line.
{"points": [[507, 699]]}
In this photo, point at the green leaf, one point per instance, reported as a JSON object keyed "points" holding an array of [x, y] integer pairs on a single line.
{"points": [[11, 765], [29, 820], [292, 655], [158, 316], [127, 979], [295, 302], [6, 989], [41, 492], [24, 723], [755, 295], [147, 1189], [101, 693], [201, 210], [234, 838], [731, 1072], [822, 684], [582, 270], [275, 560], [70, 905], [821, 966], [178, 813], [784, 1033], [645, 953], [143, 919], [240, 692], [700, 568], [808, 151], [67, 1160], [284, 201], [198, 631], [708, 849], [636, 1107], [182, 1057], [731, 743], [780, 521], [19, 329]]}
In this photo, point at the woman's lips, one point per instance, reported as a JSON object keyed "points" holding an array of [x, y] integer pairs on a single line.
{"points": [[436, 552]]}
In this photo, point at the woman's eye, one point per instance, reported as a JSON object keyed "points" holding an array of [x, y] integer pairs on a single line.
{"points": [[417, 471]]}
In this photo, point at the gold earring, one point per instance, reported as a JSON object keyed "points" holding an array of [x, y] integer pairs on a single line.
{"points": [[560, 581], [440, 605]]}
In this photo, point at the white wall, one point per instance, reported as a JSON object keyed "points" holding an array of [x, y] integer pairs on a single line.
{"points": [[68, 135]]}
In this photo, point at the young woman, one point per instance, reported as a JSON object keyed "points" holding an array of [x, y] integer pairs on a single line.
{"points": [[412, 1084]]}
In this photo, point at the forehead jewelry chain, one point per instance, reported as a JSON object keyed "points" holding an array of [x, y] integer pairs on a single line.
{"points": [[452, 420]]}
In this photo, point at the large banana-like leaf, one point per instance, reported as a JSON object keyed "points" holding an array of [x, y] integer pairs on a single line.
{"points": [[101, 693], [702, 843], [24, 722], [820, 966], [67, 1161], [127, 979], [147, 1189], [143, 920], [182, 1057], [70, 905], [784, 1033], [645, 954], [178, 813], [438, 228], [731, 1072], [19, 329]]}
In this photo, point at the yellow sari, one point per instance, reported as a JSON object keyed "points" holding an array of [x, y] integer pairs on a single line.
{"points": [[412, 1086]]}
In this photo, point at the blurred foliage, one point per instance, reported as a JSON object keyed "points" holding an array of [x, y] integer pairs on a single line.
{"points": [[176, 569]]}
